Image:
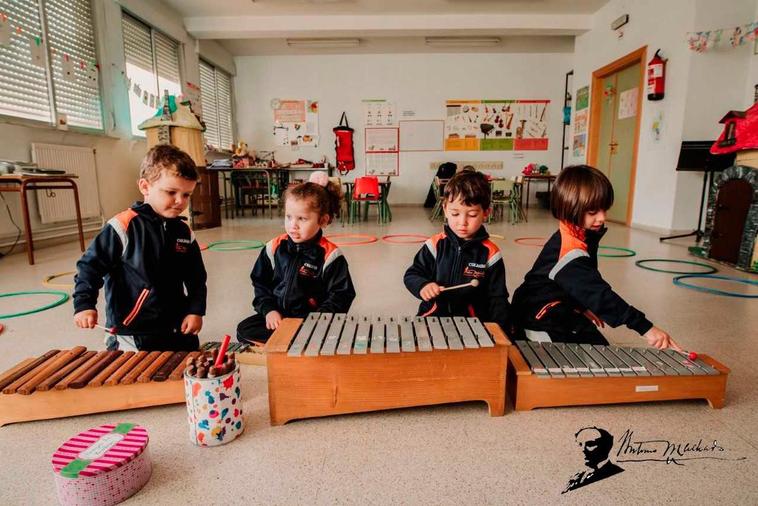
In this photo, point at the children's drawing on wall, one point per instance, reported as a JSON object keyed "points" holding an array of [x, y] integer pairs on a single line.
{"points": [[656, 127], [295, 122], [580, 145], [496, 125], [378, 112]]}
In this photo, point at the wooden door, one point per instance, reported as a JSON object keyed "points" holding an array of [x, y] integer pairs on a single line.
{"points": [[732, 205], [614, 128]]}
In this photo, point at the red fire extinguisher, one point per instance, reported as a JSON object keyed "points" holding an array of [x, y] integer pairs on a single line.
{"points": [[656, 77], [343, 144]]}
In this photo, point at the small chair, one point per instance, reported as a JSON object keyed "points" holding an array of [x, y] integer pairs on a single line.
{"points": [[505, 193], [251, 188], [365, 191], [438, 187]]}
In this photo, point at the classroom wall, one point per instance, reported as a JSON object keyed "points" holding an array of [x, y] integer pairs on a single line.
{"points": [[696, 92], [118, 153], [419, 82]]}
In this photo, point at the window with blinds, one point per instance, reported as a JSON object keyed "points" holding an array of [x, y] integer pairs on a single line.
{"points": [[48, 66], [216, 102], [152, 65]]}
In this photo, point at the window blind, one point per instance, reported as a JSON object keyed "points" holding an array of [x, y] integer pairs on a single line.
{"points": [[216, 98], [209, 103], [71, 35], [224, 101], [24, 91], [152, 63]]}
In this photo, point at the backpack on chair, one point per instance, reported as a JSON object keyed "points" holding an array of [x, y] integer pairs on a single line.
{"points": [[343, 144]]}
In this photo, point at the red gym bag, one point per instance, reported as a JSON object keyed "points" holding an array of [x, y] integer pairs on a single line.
{"points": [[343, 144]]}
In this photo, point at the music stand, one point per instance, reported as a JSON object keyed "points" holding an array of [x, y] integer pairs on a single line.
{"points": [[695, 156]]}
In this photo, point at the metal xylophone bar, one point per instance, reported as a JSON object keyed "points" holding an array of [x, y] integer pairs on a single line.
{"points": [[559, 360], [341, 334]]}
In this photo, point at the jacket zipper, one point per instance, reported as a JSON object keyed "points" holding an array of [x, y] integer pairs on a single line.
{"points": [[289, 277]]}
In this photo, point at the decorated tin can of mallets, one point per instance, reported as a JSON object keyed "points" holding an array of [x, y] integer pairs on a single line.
{"points": [[214, 403], [102, 466]]}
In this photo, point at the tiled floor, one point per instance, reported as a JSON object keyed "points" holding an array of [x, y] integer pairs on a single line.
{"points": [[437, 455]]}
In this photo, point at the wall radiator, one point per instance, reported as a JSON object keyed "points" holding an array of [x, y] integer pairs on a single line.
{"points": [[55, 206]]}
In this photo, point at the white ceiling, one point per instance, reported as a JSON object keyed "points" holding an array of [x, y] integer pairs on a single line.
{"points": [[260, 27]]}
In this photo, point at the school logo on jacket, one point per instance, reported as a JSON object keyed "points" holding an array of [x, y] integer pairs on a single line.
{"points": [[182, 245], [474, 270], [308, 270]]}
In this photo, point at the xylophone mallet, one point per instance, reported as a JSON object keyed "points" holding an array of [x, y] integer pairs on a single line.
{"points": [[111, 330], [473, 283]]}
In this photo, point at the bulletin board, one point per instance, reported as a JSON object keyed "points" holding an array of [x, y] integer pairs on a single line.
{"points": [[422, 135]]}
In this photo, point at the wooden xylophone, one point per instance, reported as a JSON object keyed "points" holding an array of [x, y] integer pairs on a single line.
{"points": [[73, 382], [331, 364], [245, 353], [559, 374]]}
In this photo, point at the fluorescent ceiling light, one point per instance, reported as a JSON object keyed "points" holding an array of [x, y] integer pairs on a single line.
{"points": [[323, 43], [462, 41]]}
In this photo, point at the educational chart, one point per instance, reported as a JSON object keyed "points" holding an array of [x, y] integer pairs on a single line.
{"points": [[379, 113], [496, 125], [382, 151], [295, 122]]}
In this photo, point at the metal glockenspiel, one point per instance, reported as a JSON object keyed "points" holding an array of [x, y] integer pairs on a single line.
{"points": [[329, 364], [565, 374]]}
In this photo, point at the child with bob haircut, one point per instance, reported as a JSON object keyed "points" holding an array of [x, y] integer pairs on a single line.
{"points": [[150, 263], [462, 253], [299, 271], [564, 298]]}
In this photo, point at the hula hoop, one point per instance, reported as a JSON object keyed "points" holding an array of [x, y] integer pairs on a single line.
{"points": [[498, 236], [678, 281], [411, 238], [366, 239], [711, 269], [63, 298], [47, 280], [242, 245], [626, 252], [521, 241]]}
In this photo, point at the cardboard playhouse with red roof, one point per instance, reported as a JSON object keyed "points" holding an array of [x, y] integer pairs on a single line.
{"points": [[732, 215]]}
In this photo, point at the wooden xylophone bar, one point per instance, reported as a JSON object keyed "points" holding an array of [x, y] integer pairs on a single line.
{"points": [[73, 382], [560, 374], [330, 364]]}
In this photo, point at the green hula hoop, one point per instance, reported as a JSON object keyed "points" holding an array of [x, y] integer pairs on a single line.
{"points": [[640, 263], [241, 245], [63, 298], [626, 252], [678, 281]]}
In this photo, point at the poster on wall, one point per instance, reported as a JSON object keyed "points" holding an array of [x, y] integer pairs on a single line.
{"points": [[295, 122], [382, 151], [496, 125], [378, 112], [628, 103], [580, 122]]}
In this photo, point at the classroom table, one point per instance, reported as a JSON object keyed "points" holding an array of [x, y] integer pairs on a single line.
{"points": [[22, 183], [527, 179], [384, 190]]}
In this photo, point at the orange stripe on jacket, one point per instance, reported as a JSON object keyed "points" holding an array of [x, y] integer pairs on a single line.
{"points": [[492, 248], [572, 237], [125, 217]]}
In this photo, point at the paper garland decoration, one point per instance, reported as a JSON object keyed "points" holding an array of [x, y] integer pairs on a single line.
{"points": [[704, 41]]}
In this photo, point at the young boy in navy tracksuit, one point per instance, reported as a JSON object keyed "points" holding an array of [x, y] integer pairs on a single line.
{"points": [[150, 263], [299, 271], [564, 298], [460, 254]]}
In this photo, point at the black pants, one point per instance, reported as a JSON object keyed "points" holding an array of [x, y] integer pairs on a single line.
{"points": [[171, 342], [565, 325], [253, 330]]}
